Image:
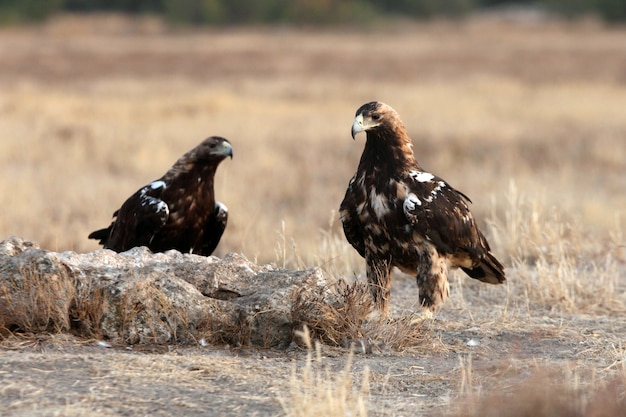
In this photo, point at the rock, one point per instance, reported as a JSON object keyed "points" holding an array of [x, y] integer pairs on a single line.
{"points": [[138, 297]]}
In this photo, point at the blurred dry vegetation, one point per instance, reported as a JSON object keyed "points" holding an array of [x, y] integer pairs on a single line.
{"points": [[92, 109], [527, 117]]}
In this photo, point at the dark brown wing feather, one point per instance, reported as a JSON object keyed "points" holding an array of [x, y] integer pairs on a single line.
{"points": [[137, 222], [214, 229], [441, 214], [352, 227]]}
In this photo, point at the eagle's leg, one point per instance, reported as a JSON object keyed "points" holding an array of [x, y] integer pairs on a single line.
{"points": [[379, 280], [432, 281]]}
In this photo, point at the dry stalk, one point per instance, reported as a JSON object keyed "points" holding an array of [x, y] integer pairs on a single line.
{"points": [[87, 310], [319, 392]]}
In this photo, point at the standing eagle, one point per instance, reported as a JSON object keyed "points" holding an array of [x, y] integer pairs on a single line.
{"points": [[177, 211], [396, 214]]}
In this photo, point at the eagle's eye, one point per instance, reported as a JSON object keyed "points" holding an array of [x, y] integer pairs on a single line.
{"points": [[375, 117]]}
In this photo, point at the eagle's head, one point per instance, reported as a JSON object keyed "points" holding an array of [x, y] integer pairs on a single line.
{"points": [[387, 140], [207, 155], [375, 116], [213, 148]]}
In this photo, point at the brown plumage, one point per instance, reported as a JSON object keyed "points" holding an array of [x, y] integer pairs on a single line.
{"points": [[395, 214], [177, 211]]}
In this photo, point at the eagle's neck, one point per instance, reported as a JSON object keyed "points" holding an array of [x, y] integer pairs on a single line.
{"points": [[198, 176], [389, 152]]}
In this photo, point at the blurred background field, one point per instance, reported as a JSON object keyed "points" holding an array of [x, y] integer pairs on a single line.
{"points": [[93, 107]]}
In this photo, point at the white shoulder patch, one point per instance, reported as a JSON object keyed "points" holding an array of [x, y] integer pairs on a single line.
{"points": [[161, 207], [421, 176], [157, 204], [221, 207], [155, 185]]}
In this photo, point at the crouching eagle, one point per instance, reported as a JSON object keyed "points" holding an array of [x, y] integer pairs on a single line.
{"points": [[177, 211], [396, 214]]}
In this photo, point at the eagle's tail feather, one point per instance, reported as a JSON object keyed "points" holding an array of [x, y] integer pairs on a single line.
{"points": [[489, 270], [101, 235]]}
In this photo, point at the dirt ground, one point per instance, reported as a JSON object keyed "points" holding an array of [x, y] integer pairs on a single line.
{"points": [[465, 352], [91, 109]]}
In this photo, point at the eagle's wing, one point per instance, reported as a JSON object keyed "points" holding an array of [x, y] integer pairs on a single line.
{"points": [[214, 229], [352, 227], [441, 214], [139, 219]]}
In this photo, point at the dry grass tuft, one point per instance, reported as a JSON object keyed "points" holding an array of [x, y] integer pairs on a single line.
{"points": [[337, 323], [87, 310], [266, 328], [400, 333], [529, 229], [571, 284], [236, 332], [349, 321], [35, 301], [315, 391]]}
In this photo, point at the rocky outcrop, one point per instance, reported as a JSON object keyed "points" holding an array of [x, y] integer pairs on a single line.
{"points": [[139, 297]]}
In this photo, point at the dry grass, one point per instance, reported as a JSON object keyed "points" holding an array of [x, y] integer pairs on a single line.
{"points": [[339, 323], [318, 391], [87, 310], [35, 302], [39, 299], [558, 262], [350, 321], [541, 396]]}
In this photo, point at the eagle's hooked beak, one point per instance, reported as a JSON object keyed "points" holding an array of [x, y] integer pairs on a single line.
{"points": [[357, 126], [226, 150]]}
